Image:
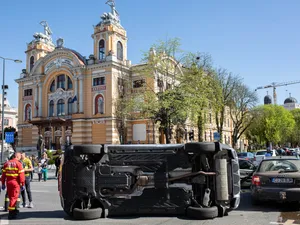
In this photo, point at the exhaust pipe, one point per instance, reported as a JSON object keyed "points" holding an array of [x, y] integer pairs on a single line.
{"points": [[222, 180]]}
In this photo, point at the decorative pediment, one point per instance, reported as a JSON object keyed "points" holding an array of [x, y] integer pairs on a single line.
{"points": [[57, 63], [60, 94]]}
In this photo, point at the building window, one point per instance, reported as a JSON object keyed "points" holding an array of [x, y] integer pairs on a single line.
{"points": [[31, 63], [119, 50], [70, 105], [138, 83], [27, 112], [99, 104], [51, 108], [52, 87], [101, 49], [210, 120], [70, 84], [61, 81], [99, 81], [60, 108], [121, 86], [6, 122], [28, 92]]}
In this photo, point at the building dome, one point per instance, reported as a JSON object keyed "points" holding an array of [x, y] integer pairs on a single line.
{"points": [[267, 100], [290, 100]]}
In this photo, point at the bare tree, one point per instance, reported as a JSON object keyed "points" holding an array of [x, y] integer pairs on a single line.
{"points": [[242, 102], [225, 84]]}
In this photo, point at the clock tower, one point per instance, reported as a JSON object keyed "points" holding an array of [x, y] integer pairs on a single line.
{"points": [[39, 47], [110, 38]]}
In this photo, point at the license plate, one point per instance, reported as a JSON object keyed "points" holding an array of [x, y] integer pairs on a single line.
{"points": [[282, 180]]}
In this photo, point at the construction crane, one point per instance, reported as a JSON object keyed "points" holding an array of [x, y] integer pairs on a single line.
{"points": [[275, 85]]}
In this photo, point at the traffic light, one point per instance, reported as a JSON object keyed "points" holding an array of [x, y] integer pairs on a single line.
{"points": [[191, 135]]}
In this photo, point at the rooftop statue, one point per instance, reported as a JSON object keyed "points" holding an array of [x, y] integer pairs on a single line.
{"points": [[113, 16], [46, 36], [112, 4]]}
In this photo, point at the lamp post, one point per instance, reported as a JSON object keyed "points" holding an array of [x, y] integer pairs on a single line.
{"points": [[3, 92]]}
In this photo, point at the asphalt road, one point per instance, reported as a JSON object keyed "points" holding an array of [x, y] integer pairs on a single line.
{"points": [[48, 211]]}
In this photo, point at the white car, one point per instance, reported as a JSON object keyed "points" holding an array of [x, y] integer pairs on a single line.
{"points": [[260, 155]]}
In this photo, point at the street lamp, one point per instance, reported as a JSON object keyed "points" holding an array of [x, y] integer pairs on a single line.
{"points": [[3, 92]]}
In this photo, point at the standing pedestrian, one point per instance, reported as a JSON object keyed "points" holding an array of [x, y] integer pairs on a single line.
{"points": [[44, 164], [57, 164], [13, 176], [27, 165], [33, 165], [40, 171]]}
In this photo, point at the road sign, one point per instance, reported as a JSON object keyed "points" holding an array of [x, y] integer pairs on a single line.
{"points": [[9, 137], [216, 136]]}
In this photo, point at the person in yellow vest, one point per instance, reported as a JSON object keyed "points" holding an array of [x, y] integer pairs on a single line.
{"points": [[28, 168]]}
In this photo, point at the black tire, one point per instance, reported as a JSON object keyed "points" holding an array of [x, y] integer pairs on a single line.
{"points": [[200, 147], [87, 214], [202, 213], [87, 149]]}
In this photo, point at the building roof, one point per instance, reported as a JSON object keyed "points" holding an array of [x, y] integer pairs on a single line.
{"points": [[290, 100], [267, 100]]}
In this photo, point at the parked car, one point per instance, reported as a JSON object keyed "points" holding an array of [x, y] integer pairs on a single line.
{"points": [[260, 155], [277, 178], [246, 155], [247, 169], [200, 180]]}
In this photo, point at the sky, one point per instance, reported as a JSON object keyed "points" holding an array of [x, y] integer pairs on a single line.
{"points": [[257, 40]]}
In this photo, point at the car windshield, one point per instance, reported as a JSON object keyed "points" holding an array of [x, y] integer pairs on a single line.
{"points": [[280, 165], [243, 154], [261, 153]]}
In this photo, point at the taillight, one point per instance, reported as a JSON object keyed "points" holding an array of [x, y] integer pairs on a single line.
{"points": [[247, 158], [256, 180]]}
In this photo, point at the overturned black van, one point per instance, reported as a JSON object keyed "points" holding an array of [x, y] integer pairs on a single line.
{"points": [[199, 180]]}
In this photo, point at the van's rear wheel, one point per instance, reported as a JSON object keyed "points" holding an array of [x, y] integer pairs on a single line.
{"points": [[87, 214], [202, 213]]}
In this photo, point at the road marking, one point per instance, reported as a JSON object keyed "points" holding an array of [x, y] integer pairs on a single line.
{"points": [[288, 222], [4, 221]]}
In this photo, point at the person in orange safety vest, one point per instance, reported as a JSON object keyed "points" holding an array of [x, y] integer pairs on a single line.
{"points": [[13, 176]]}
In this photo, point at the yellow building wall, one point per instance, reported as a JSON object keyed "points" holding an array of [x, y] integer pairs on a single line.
{"points": [[27, 136], [99, 133]]}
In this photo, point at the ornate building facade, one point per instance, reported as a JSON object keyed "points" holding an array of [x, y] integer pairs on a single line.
{"points": [[64, 96]]}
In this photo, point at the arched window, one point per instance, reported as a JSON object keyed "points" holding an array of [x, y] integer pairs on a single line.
{"points": [[31, 62], [99, 104], [60, 107], [119, 50], [27, 112], [101, 49], [61, 81], [70, 105], [52, 86], [70, 84], [51, 108]]}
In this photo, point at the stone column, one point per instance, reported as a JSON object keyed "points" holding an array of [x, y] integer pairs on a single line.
{"points": [[75, 104], [40, 99], [81, 94], [36, 100]]}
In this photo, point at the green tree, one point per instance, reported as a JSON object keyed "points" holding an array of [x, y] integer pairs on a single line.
{"points": [[272, 123], [162, 64], [196, 85], [295, 136]]}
